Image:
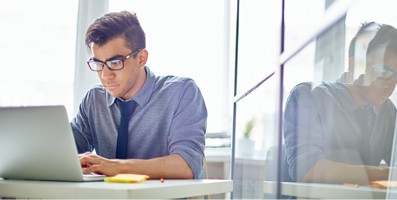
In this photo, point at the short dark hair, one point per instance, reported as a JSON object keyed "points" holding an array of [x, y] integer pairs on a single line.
{"points": [[386, 37], [116, 24], [364, 28]]}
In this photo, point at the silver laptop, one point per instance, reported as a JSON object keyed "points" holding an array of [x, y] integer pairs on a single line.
{"points": [[36, 143]]}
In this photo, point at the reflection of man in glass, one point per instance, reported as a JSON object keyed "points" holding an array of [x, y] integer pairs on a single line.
{"points": [[357, 52], [341, 133]]}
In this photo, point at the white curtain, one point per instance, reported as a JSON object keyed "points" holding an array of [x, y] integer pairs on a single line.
{"points": [[88, 11]]}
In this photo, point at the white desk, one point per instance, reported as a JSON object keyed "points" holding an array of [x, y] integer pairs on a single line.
{"points": [[325, 191], [99, 190]]}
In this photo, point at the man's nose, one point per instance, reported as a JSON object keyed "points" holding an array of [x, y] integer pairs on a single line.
{"points": [[106, 73]]}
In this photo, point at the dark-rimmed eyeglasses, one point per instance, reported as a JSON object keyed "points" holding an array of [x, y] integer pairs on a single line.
{"points": [[384, 72], [114, 64]]}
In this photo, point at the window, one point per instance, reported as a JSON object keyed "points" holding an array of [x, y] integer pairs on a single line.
{"points": [[37, 50], [187, 38]]}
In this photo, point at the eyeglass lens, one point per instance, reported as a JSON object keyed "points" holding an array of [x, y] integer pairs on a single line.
{"points": [[112, 64]]}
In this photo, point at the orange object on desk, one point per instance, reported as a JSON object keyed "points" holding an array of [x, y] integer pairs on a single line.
{"points": [[384, 184], [352, 185]]}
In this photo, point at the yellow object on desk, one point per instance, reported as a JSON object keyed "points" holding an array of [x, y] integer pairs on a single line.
{"points": [[127, 178]]}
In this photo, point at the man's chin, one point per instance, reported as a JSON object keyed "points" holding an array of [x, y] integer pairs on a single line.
{"points": [[114, 94]]}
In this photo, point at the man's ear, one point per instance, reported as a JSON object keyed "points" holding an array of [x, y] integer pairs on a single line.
{"points": [[142, 58]]}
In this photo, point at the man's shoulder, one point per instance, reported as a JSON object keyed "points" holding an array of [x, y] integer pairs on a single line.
{"points": [[176, 81], [320, 90], [331, 88], [97, 88], [177, 87], [96, 91]]}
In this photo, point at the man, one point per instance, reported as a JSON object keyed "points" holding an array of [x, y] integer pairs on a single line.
{"points": [[163, 118], [356, 52], [341, 133]]}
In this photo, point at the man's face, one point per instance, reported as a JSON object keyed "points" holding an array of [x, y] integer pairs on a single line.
{"points": [[124, 83], [383, 86]]}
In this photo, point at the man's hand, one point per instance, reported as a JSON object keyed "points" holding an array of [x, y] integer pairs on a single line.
{"points": [[92, 163], [171, 166]]}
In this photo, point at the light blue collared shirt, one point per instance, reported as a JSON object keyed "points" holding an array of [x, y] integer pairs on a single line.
{"points": [[325, 122], [170, 118]]}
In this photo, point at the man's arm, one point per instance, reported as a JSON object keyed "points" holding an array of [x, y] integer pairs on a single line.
{"points": [[327, 171], [171, 166]]}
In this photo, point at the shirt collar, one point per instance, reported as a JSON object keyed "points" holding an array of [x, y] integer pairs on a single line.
{"points": [[352, 105], [143, 95]]}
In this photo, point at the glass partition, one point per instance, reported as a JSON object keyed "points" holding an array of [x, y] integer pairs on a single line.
{"points": [[339, 115], [258, 50]]}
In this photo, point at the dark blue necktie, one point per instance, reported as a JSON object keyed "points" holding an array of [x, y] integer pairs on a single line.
{"points": [[126, 109]]}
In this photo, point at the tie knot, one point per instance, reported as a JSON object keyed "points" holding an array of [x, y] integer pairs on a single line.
{"points": [[126, 107]]}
